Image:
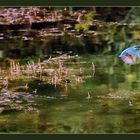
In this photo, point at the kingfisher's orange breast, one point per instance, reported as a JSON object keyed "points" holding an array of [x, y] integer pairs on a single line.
{"points": [[129, 55]]}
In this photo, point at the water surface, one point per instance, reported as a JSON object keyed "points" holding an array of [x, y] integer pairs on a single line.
{"points": [[104, 102]]}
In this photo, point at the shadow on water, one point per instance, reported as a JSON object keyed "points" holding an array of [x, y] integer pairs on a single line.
{"points": [[43, 88]]}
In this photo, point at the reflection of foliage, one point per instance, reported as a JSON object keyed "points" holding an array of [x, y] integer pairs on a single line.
{"points": [[133, 15], [122, 37], [72, 41], [136, 35], [109, 33], [29, 59]]}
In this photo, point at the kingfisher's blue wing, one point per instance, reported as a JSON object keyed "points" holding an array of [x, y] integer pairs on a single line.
{"points": [[131, 50]]}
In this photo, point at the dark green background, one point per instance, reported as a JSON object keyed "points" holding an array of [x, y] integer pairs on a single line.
{"points": [[70, 3], [71, 137]]}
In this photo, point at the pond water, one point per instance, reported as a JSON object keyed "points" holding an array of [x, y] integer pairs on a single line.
{"points": [[106, 102]]}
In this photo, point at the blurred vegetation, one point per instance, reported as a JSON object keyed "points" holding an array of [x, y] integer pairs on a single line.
{"points": [[82, 27], [100, 30]]}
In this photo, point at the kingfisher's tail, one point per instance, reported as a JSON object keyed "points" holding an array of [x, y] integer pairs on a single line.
{"points": [[136, 47]]}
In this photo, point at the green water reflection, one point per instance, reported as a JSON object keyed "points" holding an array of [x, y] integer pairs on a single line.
{"points": [[113, 106]]}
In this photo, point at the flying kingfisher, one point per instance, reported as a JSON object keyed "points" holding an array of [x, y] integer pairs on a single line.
{"points": [[130, 54]]}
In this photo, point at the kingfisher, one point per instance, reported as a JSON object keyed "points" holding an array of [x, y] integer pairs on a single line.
{"points": [[130, 54]]}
